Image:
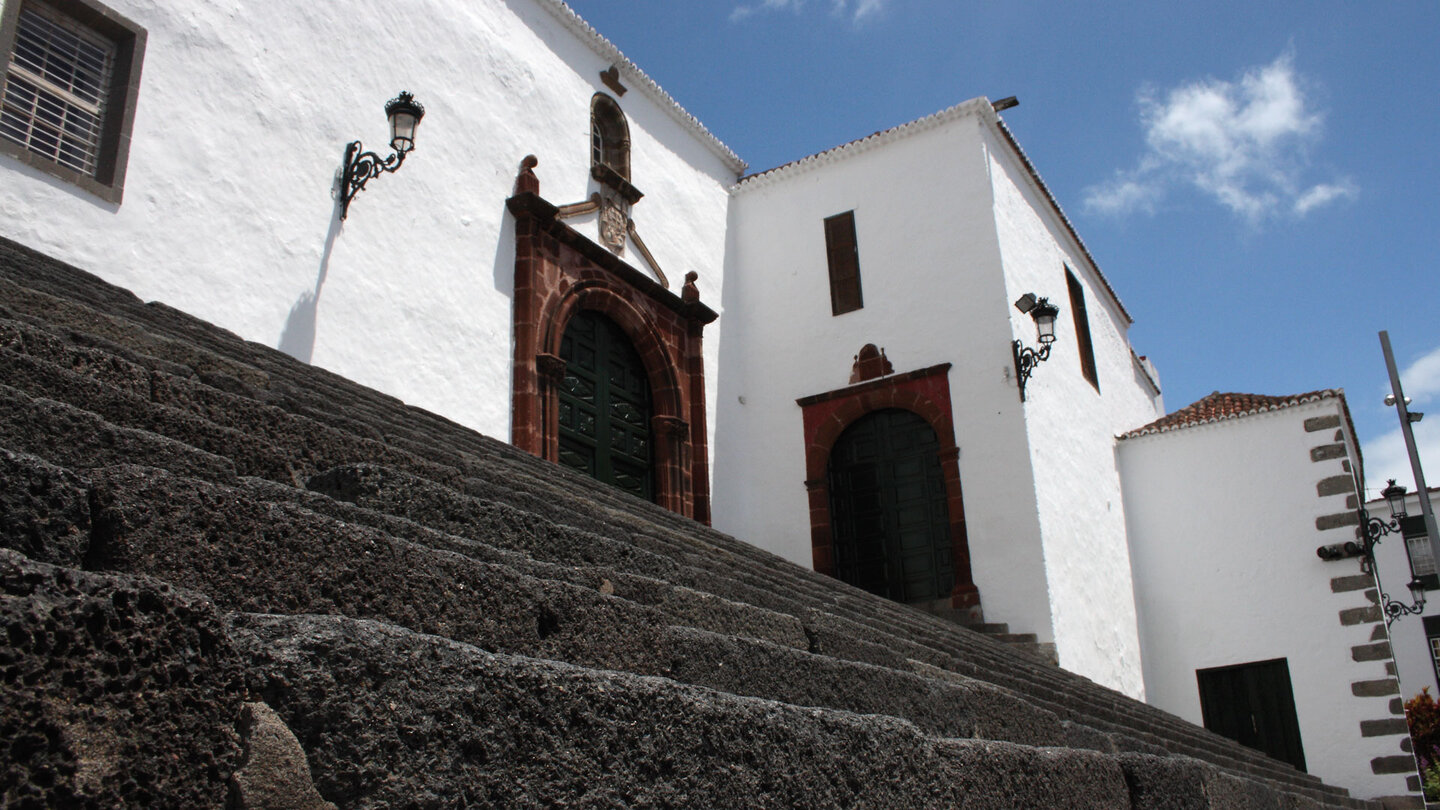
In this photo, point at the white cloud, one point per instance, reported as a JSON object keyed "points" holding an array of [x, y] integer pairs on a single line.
{"points": [[1244, 143], [1386, 457], [1421, 379], [743, 11], [864, 9], [857, 11]]}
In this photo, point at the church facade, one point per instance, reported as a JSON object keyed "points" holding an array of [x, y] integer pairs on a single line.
{"points": [[844, 360]]}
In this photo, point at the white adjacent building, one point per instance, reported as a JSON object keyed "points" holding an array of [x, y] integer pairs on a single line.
{"points": [[826, 358], [1244, 628]]}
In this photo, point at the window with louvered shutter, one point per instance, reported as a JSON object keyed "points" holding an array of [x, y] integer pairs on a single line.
{"points": [[1082, 329], [70, 81], [55, 89], [844, 258]]}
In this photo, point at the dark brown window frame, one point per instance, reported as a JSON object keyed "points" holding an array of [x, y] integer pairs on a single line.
{"points": [[842, 255], [108, 182], [1083, 340], [610, 147]]}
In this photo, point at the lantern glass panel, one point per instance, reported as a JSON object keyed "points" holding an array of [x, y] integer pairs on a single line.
{"points": [[402, 131]]}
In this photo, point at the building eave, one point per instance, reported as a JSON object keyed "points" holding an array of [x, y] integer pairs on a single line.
{"points": [[632, 72]]}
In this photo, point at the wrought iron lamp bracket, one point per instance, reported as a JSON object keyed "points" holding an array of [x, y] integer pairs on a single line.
{"points": [[360, 168], [1369, 532], [1026, 359]]}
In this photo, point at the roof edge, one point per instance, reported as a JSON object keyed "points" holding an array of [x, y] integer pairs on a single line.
{"points": [[979, 106], [1290, 402], [607, 50], [861, 145]]}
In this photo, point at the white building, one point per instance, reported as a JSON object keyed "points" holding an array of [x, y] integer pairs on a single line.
{"points": [[822, 358], [1243, 627], [1416, 639]]}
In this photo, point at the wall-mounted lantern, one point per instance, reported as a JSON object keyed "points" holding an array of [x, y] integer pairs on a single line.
{"points": [[404, 114], [1026, 359], [1368, 535]]}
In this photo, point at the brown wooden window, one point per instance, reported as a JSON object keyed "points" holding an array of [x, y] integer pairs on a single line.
{"points": [[609, 137], [1082, 329], [844, 258], [71, 77]]}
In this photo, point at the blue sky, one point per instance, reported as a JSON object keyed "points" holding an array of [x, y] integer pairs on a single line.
{"points": [[1259, 181]]}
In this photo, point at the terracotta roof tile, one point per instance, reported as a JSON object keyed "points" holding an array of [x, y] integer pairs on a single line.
{"points": [[1218, 406]]}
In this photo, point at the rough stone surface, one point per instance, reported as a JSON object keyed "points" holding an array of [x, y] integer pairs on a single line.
{"points": [[1375, 688], [1353, 582], [450, 622], [1322, 423], [274, 775], [277, 558], [1379, 651], [495, 731], [1360, 615], [118, 692], [44, 510]]}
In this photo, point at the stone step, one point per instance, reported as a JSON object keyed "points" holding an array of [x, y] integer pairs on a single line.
{"points": [[98, 348]]}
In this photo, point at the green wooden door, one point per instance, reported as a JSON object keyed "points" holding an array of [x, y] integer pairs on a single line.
{"points": [[1254, 705], [605, 405], [889, 517]]}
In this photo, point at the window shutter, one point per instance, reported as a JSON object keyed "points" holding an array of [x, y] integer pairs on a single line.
{"points": [[1082, 329], [844, 257]]}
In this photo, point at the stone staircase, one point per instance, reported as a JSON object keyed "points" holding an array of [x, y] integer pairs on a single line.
{"points": [[999, 631], [228, 576]]}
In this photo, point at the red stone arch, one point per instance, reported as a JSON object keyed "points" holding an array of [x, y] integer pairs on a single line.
{"points": [[559, 272], [926, 393], [667, 397]]}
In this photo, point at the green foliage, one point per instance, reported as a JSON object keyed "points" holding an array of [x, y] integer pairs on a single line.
{"points": [[1423, 715]]}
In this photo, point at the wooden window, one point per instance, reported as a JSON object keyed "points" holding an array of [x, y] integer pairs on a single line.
{"points": [[609, 137], [72, 73], [844, 258], [1082, 329], [1432, 637], [1254, 705]]}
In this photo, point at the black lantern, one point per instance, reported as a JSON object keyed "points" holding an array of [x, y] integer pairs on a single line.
{"points": [[404, 114], [1394, 495], [1044, 314], [1026, 359], [1368, 535], [1417, 591]]}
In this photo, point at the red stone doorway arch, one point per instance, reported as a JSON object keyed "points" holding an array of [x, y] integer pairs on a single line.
{"points": [[926, 393], [559, 272]]}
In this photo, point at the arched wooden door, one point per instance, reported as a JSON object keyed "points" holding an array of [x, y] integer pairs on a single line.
{"points": [[605, 410], [888, 508]]}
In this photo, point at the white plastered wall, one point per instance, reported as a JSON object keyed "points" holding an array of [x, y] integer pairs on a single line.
{"points": [[1071, 427], [932, 294], [243, 115], [947, 238], [1408, 639], [1222, 526]]}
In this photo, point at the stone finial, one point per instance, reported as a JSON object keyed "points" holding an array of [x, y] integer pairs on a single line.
{"points": [[690, 293], [611, 79], [869, 364], [526, 182]]}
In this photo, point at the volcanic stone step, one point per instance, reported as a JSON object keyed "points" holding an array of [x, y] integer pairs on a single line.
{"points": [[447, 510], [79, 440], [497, 730], [213, 540], [118, 692], [162, 325]]}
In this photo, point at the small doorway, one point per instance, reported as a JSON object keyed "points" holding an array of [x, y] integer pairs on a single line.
{"points": [[605, 409], [888, 508], [1253, 705]]}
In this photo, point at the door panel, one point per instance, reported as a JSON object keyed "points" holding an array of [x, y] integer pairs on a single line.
{"points": [[1254, 705], [890, 517], [605, 405]]}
